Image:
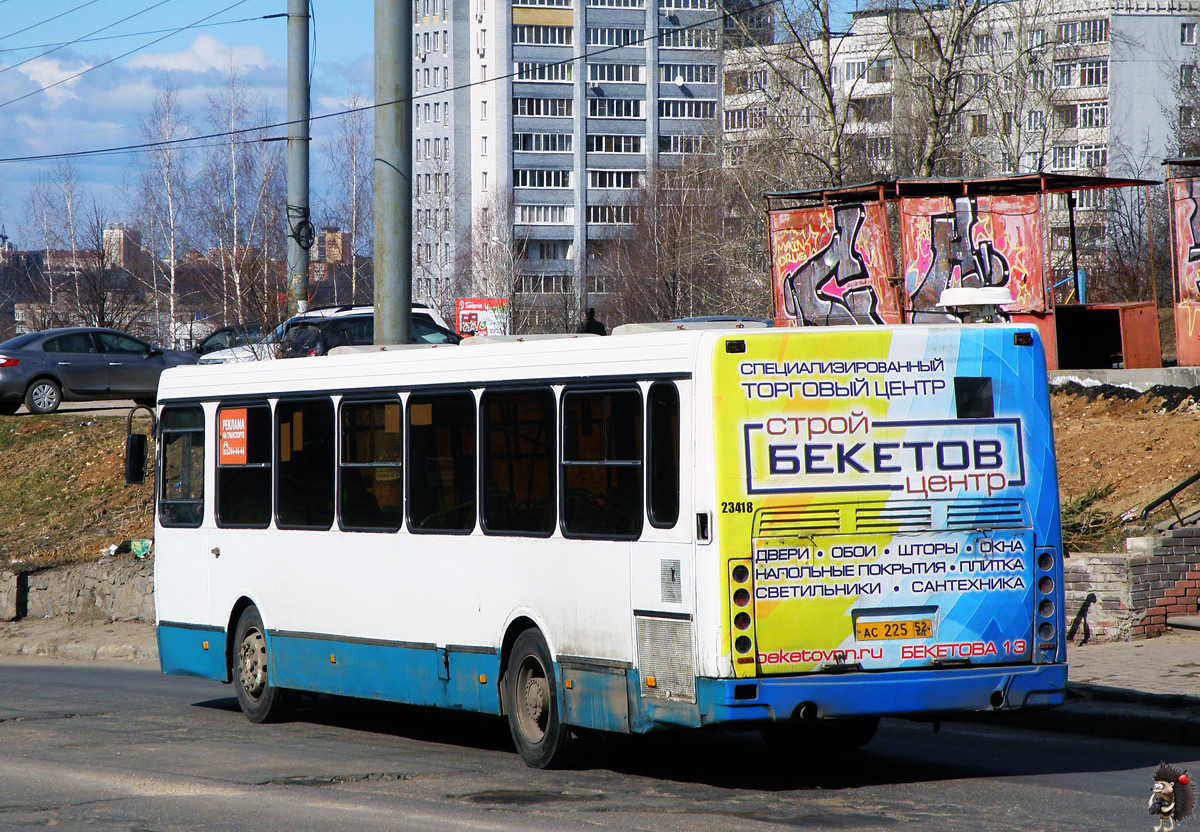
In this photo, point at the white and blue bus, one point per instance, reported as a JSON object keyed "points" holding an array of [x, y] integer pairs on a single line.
{"points": [[797, 530]]}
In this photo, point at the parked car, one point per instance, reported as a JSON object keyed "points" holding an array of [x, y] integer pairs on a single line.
{"points": [[237, 335], [318, 336], [268, 348], [44, 369]]}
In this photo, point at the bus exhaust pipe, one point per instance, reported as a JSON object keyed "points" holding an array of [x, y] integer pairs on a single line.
{"points": [[997, 699]]}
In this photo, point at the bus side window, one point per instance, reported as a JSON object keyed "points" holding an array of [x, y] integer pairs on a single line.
{"points": [[371, 497], [602, 464], [304, 473], [244, 466], [181, 487], [518, 462], [663, 454], [441, 462]]}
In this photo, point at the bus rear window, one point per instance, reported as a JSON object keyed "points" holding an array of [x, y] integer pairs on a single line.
{"points": [[602, 464], [181, 500], [441, 462], [244, 466]]}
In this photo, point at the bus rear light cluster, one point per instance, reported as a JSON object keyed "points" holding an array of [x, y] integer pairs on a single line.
{"points": [[1046, 619], [742, 615]]}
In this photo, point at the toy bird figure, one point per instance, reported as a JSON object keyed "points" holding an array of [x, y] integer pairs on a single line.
{"points": [[1173, 797]]}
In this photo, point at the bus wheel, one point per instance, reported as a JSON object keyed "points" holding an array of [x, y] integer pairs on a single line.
{"points": [[531, 703], [259, 700]]}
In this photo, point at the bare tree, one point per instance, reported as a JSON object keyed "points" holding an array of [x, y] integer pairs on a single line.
{"points": [[350, 156], [104, 295]]}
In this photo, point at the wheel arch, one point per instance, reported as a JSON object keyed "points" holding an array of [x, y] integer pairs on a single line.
{"points": [[518, 625], [46, 375], [235, 614]]}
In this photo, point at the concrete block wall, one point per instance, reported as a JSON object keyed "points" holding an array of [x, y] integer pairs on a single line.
{"points": [[116, 588]]}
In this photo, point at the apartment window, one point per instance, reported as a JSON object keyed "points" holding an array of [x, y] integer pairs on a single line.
{"points": [[541, 178], [699, 38], [1031, 161], [549, 250], [562, 4], [1068, 32], [873, 110], [618, 179], [543, 214], [1187, 34], [544, 284], [687, 73], [1093, 156], [982, 44], [612, 214], [1065, 116], [1093, 73], [542, 35], [735, 119], [756, 79], [878, 148], [1189, 117], [1037, 39], [618, 4], [483, 181], [615, 107], [531, 71], [1093, 114], [614, 36], [1062, 157], [687, 108], [879, 71], [700, 5], [1006, 127], [979, 124], [1035, 121], [552, 107], [1187, 75], [543, 142], [686, 144], [855, 70], [1093, 31], [1037, 79], [616, 73], [1090, 200], [609, 143], [483, 110], [1063, 74], [1007, 42], [483, 145]]}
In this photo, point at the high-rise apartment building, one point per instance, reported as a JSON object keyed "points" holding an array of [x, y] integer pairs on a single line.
{"points": [[535, 124]]}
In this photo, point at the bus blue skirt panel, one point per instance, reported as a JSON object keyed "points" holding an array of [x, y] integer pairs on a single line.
{"points": [[192, 650]]}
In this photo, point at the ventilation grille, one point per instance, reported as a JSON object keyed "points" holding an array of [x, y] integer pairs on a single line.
{"points": [[793, 522], [665, 652], [988, 514], [893, 518]]}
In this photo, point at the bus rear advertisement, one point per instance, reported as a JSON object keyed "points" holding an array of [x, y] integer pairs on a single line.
{"points": [[794, 530]]}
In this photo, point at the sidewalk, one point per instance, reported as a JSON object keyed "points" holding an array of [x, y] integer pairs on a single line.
{"points": [[1147, 690]]}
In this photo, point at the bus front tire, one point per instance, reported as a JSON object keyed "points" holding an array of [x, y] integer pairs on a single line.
{"points": [[259, 700], [531, 704]]}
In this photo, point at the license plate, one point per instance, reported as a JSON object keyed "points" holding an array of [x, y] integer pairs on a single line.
{"points": [[881, 630]]}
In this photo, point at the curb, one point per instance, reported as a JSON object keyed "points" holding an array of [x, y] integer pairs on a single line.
{"points": [[1103, 711]]}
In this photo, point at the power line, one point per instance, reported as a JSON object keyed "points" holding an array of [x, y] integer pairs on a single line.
{"points": [[122, 55], [147, 146], [87, 39], [47, 20], [72, 42]]}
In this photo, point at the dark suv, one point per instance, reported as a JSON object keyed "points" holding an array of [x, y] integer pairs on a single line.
{"points": [[353, 329]]}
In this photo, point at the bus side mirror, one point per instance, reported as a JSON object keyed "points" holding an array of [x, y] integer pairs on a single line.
{"points": [[135, 459]]}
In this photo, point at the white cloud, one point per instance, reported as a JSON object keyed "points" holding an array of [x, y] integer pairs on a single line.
{"points": [[47, 71], [205, 54]]}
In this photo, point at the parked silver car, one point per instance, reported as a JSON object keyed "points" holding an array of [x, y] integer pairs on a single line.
{"points": [[44, 369]]}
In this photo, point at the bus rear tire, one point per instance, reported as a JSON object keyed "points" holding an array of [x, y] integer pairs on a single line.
{"points": [[531, 704], [259, 700]]}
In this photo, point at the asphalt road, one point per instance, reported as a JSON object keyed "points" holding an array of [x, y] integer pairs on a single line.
{"points": [[121, 747]]}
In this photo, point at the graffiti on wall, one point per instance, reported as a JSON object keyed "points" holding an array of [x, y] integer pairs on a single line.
{"points": [[831, 265], [1185, 208], [971, 242]]}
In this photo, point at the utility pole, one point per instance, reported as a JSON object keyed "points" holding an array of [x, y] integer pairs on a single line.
{"points": [[300, 228], [393, 170]]}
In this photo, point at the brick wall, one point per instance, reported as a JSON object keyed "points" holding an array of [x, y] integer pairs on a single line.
{"points": [[1131, 595]]}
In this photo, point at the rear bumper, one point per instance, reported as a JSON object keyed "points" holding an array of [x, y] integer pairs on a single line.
{"points": [[908, 692]]}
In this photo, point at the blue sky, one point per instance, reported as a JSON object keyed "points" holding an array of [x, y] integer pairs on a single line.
{"points": [[101, 107]]}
